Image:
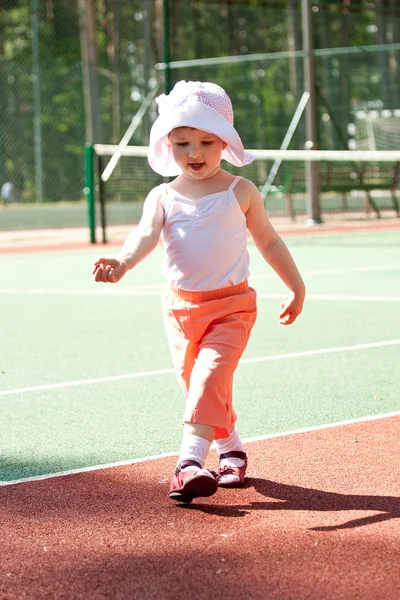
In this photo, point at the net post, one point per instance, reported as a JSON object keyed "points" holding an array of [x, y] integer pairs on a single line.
{"points": [[102, 200], [90, 190]]}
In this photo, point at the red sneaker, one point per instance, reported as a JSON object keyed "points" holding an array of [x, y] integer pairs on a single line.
{"points": [[229, 475], [190, 484]]}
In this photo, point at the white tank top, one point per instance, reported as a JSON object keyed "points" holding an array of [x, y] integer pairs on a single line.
{"points": [[204, 240]]}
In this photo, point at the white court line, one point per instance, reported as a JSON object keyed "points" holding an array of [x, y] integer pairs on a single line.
{"points": [[114, 293], [335, 271], [336, 298], [245, 361], [169, 454], [154, 289], [65, 384], [101, 291]]}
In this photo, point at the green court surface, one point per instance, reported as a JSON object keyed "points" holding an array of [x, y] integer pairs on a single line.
{"points": [[85, 371]]}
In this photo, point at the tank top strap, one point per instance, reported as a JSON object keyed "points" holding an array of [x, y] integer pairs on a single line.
{"points": [[163, 190], [234, 182]]}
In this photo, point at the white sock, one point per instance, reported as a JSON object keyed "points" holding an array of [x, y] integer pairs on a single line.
{"points": [[194, 448], [230, 444]]}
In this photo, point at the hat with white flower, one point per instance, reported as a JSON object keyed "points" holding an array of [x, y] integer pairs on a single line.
{"points": [[202, 105]]}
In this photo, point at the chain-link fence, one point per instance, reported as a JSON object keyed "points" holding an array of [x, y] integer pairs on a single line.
{"points": [[41, 113], [258, 57], [72, 72], [43, 121]]}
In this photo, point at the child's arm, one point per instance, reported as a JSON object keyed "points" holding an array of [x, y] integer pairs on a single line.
{"points": [[137, 245], [275, 252]]}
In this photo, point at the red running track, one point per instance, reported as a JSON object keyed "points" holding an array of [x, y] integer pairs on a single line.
{"points": [[318, 520]]}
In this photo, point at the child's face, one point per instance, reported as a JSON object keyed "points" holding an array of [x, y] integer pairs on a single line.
{"points": [[196, 152]]}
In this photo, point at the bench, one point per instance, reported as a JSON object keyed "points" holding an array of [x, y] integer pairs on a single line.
{"points": [[345, 177]]}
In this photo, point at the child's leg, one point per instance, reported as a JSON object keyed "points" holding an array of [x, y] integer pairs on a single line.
{"points": [[207, 341], [229, 323], [190, 480], [204, 431], [195, 443], [230, 443], [182, 342], [210, 391]]}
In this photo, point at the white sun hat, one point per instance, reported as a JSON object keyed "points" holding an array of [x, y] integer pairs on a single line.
{"points": [[202, 105]]}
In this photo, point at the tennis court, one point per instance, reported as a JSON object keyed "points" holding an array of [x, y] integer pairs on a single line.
{"points": [[87, 392]]}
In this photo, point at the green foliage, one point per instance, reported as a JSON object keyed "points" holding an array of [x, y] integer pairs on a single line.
{"points": [[61, 110], [265, 90]]}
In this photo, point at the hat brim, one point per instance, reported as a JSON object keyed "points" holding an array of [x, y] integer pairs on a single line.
{"points": [[200, 116]]}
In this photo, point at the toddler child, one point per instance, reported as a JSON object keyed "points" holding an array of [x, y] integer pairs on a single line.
{"points": [[209, 309]]}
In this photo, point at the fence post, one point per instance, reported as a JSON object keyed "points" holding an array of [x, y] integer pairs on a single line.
{"points": [[313, 187], [166, 46], [90, 190]]}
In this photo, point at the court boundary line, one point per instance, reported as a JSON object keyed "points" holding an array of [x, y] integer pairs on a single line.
{"points": [[111, 293], [245, 361], [261, 438], [35, 244], [156, 289]]}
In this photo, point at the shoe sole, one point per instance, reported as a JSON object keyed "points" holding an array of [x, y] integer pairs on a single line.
{"points": [[198, 487], [232, 484]]}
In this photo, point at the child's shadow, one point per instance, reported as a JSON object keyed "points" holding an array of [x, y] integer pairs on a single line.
{"points": [[292, 497]]}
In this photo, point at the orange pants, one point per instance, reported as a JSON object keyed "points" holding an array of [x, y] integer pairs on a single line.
{"points": [[207, 334]]}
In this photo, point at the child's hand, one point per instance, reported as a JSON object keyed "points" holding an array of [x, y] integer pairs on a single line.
{"points": [[109, 270], [291, 307]]}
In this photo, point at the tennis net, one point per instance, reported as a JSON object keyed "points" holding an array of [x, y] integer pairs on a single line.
{"points": [[353, 184]]}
